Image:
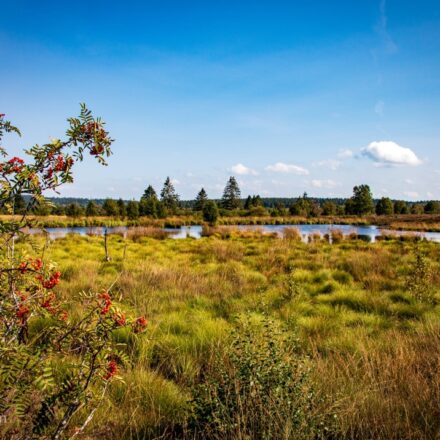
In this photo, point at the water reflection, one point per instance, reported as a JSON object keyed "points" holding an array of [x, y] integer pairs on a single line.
{"points": [[365, 233]]}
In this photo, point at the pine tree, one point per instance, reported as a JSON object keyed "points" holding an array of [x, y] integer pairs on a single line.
{"points": [[256, 201], [201, 200], [168, 195], [231, 195], [149, 193], [248, 203]]}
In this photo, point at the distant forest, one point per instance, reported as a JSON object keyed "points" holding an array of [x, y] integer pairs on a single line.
{"points": [[167, 202]]}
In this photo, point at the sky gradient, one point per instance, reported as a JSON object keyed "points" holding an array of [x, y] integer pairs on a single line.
{"points": [[288, 96]]}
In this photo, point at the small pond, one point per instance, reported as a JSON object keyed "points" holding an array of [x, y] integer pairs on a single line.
{"points": [[369, 233]]}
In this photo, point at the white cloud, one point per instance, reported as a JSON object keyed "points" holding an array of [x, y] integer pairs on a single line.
{"points": [[331, 164], [242, 170], [345, 153], [175, 182], [390, 153], [379, 108], [409, 181], [323, 183], [411, 194], [281, 167]]}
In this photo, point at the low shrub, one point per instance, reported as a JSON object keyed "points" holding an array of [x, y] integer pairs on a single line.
{"points": [[258, 387]]}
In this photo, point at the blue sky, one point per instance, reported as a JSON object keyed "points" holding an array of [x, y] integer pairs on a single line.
{"points": [[288, 96]]}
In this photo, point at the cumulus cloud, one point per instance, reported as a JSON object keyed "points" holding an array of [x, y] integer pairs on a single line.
{"points": [[390, 153], [242, 170], [323, 183], [281, 167], [345, 153]]}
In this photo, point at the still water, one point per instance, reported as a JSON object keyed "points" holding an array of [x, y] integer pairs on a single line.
{"points": [[370, 233]]}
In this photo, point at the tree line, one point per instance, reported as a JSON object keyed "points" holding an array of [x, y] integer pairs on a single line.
{"points": [[168, 202]]}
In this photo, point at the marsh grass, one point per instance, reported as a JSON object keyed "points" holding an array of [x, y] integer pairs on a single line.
{"points": [[371, 342]]}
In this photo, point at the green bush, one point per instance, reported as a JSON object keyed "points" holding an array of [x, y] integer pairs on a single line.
{"points": [[257, 387]]}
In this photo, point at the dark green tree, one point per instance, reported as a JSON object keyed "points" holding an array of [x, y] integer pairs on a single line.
{"points": [[122, 210], [74, 210], [400, 207], [201, 200], [329, 208], [149, 193], [432, 207], [162, 210], [302, 206], [278, 209], [110, 208], [349, 207], [169, 197], [248, 203], [256, 201], [362, 200], [92, 209], [132, 209], [384, 206], [148, 207], [231, 195], [253, 202], [210, 212]]}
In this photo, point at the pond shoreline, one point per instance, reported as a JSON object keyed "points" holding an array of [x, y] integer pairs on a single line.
{"points": [[416, 223], [306, 232]]}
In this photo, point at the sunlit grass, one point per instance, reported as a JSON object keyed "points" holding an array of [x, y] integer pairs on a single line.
{"points": [[347, 303]]}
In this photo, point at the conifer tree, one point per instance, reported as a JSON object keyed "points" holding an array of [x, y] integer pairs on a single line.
{"points": [[168, 195], [248, 203], [149, 193], [231, 195], [201, 200]]}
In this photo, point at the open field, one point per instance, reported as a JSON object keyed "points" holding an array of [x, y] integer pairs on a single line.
{"points": [[296, 340], [423, 222]]}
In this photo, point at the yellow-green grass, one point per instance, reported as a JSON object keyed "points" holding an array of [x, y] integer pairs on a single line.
{"points": [[348, 303]]}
